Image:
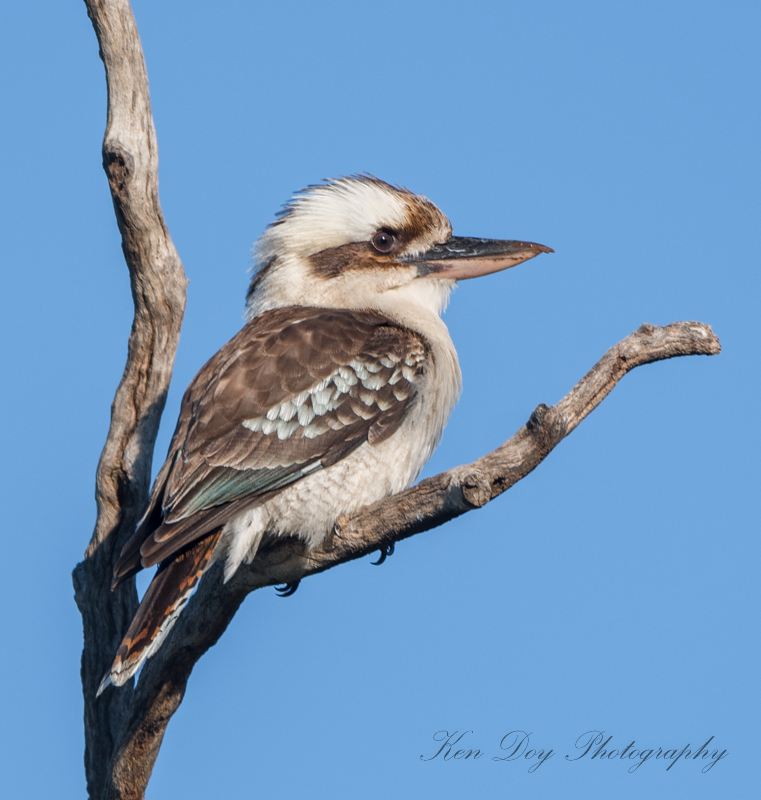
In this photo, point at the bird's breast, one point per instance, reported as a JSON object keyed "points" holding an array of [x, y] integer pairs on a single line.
{"points": [[310, 507]]}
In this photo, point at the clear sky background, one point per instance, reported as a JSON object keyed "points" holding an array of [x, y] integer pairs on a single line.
{"points": [[615, 588]]}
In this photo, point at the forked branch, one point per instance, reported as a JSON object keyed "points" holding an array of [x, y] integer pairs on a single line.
{"points": [[130, 160], [124, 727]]}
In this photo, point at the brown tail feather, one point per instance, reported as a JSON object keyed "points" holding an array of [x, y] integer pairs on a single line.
{"points": [[159, 609]]}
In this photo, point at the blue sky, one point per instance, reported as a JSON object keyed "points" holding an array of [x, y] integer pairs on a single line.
{"points": [[615, 588]]}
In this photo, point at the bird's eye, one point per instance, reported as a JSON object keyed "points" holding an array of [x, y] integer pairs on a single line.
{"points": [[384, 241]]}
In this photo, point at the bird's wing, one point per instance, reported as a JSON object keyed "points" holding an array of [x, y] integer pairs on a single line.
{"points": [[295, 391]]}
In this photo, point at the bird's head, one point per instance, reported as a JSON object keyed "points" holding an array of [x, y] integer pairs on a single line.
{"points": [[359, 242]]}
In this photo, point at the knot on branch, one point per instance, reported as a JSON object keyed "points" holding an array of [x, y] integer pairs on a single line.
{"points": [[119, 165], [547, 426], [538, 416], [476, 489]]}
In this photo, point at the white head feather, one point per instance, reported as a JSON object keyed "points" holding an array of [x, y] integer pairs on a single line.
{"points": [[338, 213]]}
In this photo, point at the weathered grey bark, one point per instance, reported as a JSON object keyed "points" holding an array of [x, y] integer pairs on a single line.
{"points": [[124, 727], [158, 288]]}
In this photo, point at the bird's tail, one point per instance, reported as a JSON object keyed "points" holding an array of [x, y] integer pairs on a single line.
{"points": [[159, 609]]}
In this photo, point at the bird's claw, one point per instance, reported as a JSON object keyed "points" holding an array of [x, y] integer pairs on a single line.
{"points": [[337, 526], [385, 551], [287, 589]]}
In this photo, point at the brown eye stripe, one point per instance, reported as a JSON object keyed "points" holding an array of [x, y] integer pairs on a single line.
{"points": [[334, 261], [356, 256]]}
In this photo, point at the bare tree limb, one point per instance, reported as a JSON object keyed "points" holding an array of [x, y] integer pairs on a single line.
{"points": [[130, 159], [427, 505], [124, 728]]}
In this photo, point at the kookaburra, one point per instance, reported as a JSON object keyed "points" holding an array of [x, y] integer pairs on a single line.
{"points": [[332, 396]]}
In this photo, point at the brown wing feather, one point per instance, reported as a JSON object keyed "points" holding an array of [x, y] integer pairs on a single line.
{"points": [[235, 443]]}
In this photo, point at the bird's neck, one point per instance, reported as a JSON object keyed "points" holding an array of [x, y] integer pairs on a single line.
{"points": [[416, 304]]}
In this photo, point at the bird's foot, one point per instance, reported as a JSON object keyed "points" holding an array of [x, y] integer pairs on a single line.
{"points": [[338, 526], [287, 589], [385, 551]]}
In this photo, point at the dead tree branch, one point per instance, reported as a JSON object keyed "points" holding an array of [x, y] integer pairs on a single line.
{"points": [[427, 505], [130, 159], [124, 728]]}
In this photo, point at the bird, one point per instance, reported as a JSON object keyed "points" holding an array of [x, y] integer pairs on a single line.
{"points": [[333, 395]]}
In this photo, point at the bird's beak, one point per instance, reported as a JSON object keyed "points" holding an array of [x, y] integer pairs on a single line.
{"points": [[462, 257]]}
